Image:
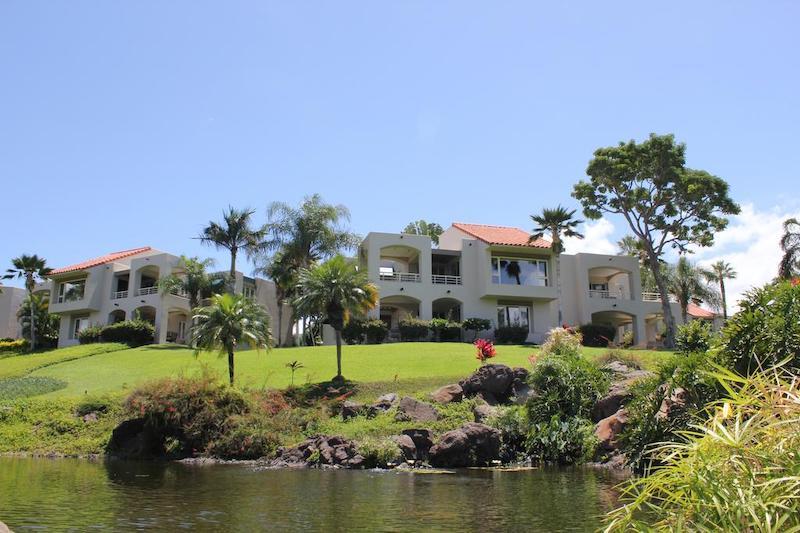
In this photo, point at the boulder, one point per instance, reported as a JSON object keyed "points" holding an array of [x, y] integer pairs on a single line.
{"points": [[407, 446], [472, 444], [608, 430], [321, 450], [496, 379], [4, 528], [133, 439], [422, 439], [617, 396], [448, 394], [521, 393], [411, 409], [676, 401], [351, 409], [483, 411], [487, 398]]}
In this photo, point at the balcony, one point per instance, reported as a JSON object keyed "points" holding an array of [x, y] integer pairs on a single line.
{"points": [[606, 295], [119, 294], [441, 279], [400, 276], [656, 297], [144, 291]]}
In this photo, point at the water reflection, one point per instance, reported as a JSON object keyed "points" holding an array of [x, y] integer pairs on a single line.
{"points": [[76, 495]]}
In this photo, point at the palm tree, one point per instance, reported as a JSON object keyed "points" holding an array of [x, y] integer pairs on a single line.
{"points": [[790, 244], [686, 283], [193, 280], [47, 324], [335, 290], [32, 269], [718, 273], [423, 227], [235, 234], [284, 275], [230, 320], [556, 222]]}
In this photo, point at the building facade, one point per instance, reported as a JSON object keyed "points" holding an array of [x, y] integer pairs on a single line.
{"points": [[493, 272], [10, 300], [124, 285]]}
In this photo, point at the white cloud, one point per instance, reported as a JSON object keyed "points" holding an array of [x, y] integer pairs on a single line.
{"points": [[597, 239]]}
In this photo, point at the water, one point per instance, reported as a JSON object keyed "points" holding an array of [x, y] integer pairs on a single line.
{"points": [[80, 495]]}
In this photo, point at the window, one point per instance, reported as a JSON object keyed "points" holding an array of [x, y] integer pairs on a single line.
{"points": [[513, 315], [249, 291], [71, 291], [516, 271], [598, 286], [80, 323], [386, 271], [182, 329]]}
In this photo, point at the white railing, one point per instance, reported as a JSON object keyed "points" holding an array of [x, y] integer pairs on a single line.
{"points": [[401, 276], [441, 279], [605, 295], [144, 291], [180, 293], [655, 297], [119, 294]]}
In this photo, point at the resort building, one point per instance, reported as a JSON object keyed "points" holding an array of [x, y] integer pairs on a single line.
{"points": [[493, 272], [10, 300], [124, 285]]}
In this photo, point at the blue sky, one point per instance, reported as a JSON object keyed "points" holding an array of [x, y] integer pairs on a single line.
{"points": [[129, 124]]}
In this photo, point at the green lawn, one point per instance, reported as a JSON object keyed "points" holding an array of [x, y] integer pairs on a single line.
{"points": [[401, 367], [19, 365]]}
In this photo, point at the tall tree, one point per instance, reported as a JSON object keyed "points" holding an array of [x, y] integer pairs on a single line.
{"points": [[235, 234], [718, 272], [47, 324], [556, 223], [283, 274], [32, 269], [665, 204], [335, 290], [687, 283], [229, 321], [423, 227], [790, 244], [306, 235], [193, 279]]}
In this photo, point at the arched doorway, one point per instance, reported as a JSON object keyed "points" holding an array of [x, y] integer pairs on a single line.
{"points": [[146, 313], [393, 309], [448, 308], [117, 315], [621, 322]]}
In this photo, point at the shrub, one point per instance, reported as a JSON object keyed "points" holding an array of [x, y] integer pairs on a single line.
{"points": [[561, 440], [445, 330], [561, 341], [628, 359], [565, 386], [375, 331], [131, 332], [627, 339], [514, 428], [244, 437], [511, 334], [380, 452], [740, 472], [90, 334], [694, 337], [14, 346], [353, 331], [765, 331], [597, 335], [413, 329], [476, 325]]}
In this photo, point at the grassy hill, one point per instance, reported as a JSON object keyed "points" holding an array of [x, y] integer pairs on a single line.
{"points": [[402, 367]]}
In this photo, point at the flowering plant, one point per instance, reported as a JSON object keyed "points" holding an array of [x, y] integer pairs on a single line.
{"points": [[485, 350]]}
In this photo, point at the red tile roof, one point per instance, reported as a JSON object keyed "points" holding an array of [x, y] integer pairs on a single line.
{"points": [[103, 259], [698, 312], [500, 235]]}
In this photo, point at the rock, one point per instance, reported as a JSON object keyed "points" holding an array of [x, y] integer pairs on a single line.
{"points": [[617, 396], [483, 411], [407, 446], [495, 379], [423, 440], [617, 367], [4, 528], [411, 409], [676, 400], [351, 409], [389, 398], [485, 397], [133, 439], [472, 444], [448, 394], [90, 417], [321, 450], [608, 429], [521, 393]]}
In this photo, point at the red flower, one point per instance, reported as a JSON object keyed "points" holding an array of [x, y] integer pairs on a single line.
{"points": [[485, 350], [795, 282]]}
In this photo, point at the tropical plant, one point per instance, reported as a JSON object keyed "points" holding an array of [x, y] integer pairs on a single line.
{"points": [[335, 290], [294, 366], [484, 350], [234, 234], [32, 269], [687, 283], [444, 329], [563, 342], [134, 332], [738, 471], [556, 223], [228, 322], [789, 266], [718, 272], [413, 329], [476, 325], [192, 279], [665, 204], [694, 337], [47, 324], [566, 386], [283, 272], [422, 227]]}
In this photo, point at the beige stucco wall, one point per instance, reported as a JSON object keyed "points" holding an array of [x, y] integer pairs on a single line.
{"points": [[10, 300]]}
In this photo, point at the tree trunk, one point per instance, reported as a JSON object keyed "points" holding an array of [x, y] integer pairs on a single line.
{"points": [[230, 365], [558, 291], [724, 300], [280, 321], [232, 273], [669, 320], [33, 320], [338, 353]]}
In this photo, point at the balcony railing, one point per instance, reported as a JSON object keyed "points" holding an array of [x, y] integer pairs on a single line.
{"points": [[401, 276], [442, 279], [119, 294], [605, 295], [656, 297], [180, 293], [144, 291]]}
